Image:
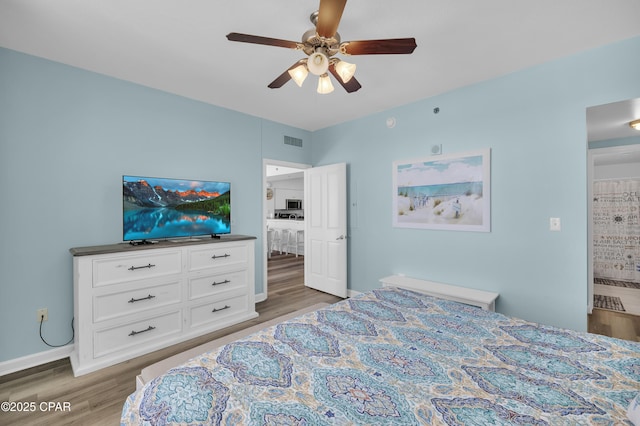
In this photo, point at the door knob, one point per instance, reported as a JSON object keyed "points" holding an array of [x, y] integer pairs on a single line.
{"points": [[341, 237]]}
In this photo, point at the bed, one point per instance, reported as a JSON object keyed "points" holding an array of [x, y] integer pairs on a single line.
{"points": [[395, 356]]}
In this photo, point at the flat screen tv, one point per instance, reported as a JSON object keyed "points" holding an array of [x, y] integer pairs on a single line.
{"points": [[160, 208]]}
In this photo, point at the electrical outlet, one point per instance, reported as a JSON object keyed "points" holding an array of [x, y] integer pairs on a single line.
{"points": [[43, 314]]}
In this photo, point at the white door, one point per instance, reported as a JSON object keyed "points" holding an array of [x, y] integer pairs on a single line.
{"points": [[325, 210]]}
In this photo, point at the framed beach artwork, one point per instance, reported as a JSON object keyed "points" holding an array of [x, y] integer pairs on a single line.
{"points": [[450, 192]]}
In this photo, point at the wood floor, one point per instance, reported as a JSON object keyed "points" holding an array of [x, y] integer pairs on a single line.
{"points": [[624, 325], [614, 324], [97, 398]]}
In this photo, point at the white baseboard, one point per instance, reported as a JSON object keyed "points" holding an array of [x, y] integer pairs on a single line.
{"points": [[261, 297], [22, 363], [352, 293]]}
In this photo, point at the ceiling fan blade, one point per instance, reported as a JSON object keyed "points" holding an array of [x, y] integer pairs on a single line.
{"points": [[284, 77], [329, 15], [379, 47], [350, 86], [247, 38]]}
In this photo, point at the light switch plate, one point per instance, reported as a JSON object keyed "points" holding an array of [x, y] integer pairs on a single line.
{"points": [[554, 224]]}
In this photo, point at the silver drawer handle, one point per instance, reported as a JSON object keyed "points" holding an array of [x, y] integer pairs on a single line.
{"points": [[149, 297], [133, 333], [133, 268], [218, 257], [221, 309], [221, 282]]}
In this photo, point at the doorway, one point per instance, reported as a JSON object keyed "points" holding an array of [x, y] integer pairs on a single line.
{"points": [[613, 160], [615, 228], [282, 181]]}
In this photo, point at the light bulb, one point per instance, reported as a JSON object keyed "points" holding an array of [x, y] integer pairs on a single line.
{"points": [[318, 63], [298, 74], [324, 84], [345, 70]]}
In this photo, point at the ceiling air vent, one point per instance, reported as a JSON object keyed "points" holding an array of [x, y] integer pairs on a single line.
{"points": [[289, 140]]}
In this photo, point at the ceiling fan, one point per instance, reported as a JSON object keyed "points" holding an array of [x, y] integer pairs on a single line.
{"points": [[321, 43]]}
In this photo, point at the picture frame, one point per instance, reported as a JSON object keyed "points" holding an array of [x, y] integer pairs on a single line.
{"points": [[445, 192]]}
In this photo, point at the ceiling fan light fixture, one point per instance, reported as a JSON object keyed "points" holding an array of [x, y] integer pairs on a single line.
{"points": [[345, 70], [324, 84], [298, 74], [635, 124], [318, 63]]}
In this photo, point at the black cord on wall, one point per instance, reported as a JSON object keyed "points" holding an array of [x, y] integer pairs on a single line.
{"points": [[73, 335]]}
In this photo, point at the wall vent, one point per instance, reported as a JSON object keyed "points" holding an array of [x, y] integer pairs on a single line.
{"points": [[290, 140]]}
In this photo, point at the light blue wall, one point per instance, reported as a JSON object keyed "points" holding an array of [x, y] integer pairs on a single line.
{"points": [[274, 147], [534, 121], [66, 138]]}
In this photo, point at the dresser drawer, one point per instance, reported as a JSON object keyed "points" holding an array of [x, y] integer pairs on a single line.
{"points": [[209, 285], [218, 310], [136, 333], [135, 267], [218, 256], [113, 305], [129, 301]]}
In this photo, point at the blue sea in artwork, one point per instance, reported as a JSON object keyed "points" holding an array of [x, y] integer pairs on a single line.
{"points": [[160, 223], [445, 190]]}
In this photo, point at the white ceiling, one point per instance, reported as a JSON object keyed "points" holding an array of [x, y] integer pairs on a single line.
{"points": [[276, 172], [179, 46], [611, 121]]}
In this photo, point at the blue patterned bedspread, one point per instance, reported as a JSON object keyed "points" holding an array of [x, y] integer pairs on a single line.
{"points": [[396, 357]]}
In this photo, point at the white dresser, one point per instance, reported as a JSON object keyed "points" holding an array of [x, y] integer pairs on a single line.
{"points": [[131, 300]]}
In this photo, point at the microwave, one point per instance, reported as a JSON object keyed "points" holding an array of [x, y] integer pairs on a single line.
{"points": [[294, 204]]}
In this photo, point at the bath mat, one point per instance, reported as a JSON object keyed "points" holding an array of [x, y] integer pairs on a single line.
{"points": [[608, 302]]}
